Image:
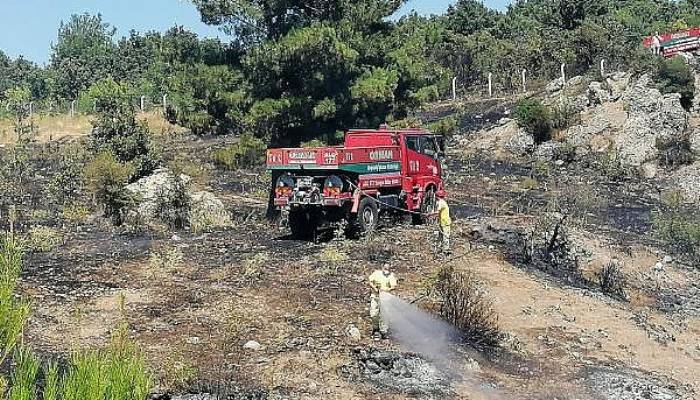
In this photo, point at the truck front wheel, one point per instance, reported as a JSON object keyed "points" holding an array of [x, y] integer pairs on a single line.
{"points": [[302, 224], [427, 206]]}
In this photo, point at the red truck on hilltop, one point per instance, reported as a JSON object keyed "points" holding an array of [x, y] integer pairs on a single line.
{"points": [[376, 170]]}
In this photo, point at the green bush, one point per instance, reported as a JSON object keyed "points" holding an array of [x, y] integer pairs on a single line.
{"points": [[24, 375], [447, 126], [535, 118], [116, 130], [678, 226], [116, 373], [106, 179], [13, 310], [248, 152], [313, 143], [564, 115], [675, 76]]}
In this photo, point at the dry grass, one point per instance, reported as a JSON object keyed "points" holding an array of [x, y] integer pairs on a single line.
{"points": [[53, 127]]}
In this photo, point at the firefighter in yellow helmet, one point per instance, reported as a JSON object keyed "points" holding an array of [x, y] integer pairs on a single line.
{"points": [[381, 280]]}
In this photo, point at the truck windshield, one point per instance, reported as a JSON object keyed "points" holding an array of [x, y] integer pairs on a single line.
{"points": [[429, 146]]}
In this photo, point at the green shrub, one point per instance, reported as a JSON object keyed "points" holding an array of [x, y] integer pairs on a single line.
{"points": [[248, 152], [447, 126], [116, 373], [535, 118], [51, 382], [678, 226], [675, 76], [563, 115], [13, 310], [116, 130], [24, 375], [43, 238], [106, 179], [313, 143]]}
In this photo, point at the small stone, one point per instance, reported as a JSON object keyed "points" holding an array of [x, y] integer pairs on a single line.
{"points": [[193, 340], [667, 259], [352, 332], [175, 238], [559, 163], [252, 345]]}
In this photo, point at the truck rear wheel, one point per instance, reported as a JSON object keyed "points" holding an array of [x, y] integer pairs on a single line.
{"points": [[427, 206], [366, 219], [302, 224]]}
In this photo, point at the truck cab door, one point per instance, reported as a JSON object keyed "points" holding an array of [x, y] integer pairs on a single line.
{"points": [[431, 152]]}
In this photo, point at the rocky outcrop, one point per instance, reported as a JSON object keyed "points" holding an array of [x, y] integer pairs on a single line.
{"points": [[618, 84], [654, 118], [521, 143], [164, 198], [687, 180], [598, 93], [555, 85], [694, 141]]}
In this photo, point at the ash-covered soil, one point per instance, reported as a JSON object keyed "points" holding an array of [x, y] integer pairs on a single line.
{"points": [[245, 313]]}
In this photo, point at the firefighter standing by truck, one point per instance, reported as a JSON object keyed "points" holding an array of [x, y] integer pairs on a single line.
{"points": [[442, 210], [381, 280]]}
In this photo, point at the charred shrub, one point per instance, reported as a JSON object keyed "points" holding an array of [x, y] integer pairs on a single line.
{"points": [[248, 152], [675, 153], [535, 118], [464, 304], [173, 205], [612, 281], [549, 248]]}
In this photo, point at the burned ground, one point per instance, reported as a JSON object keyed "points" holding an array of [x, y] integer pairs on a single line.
{"points": [[193, 300]]}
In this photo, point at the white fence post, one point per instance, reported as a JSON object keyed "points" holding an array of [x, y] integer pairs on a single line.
{"points": [[524, 72], [490, 84], [563, 73], [31, 109], [72, 108], [454, 89], [143, 103], [165, 101], [94, 106], [602, 68]]}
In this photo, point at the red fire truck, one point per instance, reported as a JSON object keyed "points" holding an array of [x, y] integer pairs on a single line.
{"points": [[376, 170], [672, 43]]}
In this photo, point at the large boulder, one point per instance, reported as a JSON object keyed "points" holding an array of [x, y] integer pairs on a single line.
{"points": [[598, 93], [687, 180], [521, 143], [654, 118], [165, 198], [618, 83], [206, 211], [694, 141], [159, 198], [555, 85]]}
